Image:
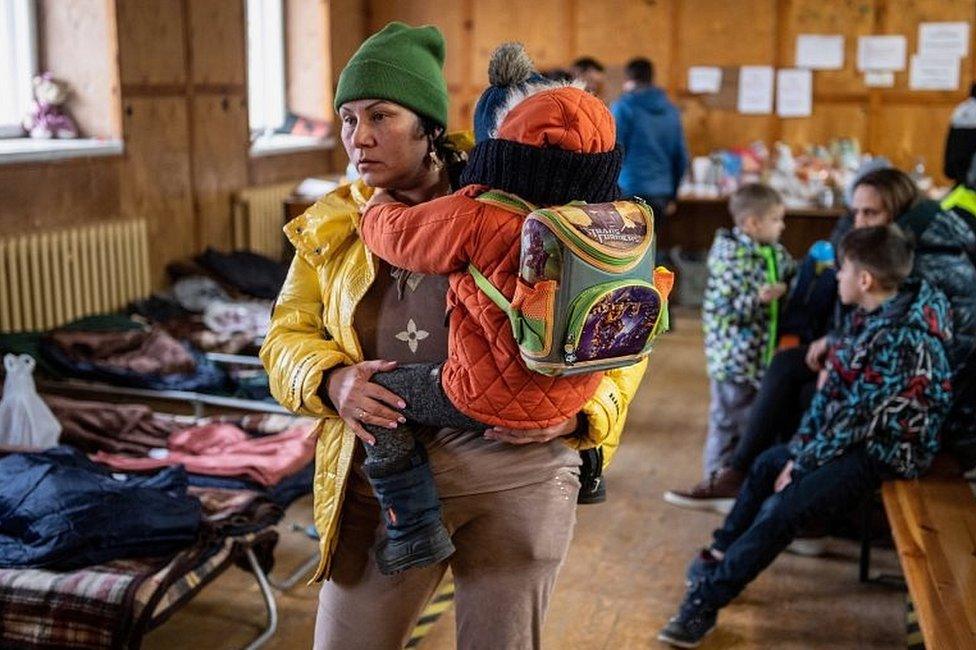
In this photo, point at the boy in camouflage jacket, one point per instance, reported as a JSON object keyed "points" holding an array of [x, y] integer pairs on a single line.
{"points": [[748, 274]]}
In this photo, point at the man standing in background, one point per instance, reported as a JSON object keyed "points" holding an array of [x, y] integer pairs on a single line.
{"points": [[592, 73], [649, 130]]}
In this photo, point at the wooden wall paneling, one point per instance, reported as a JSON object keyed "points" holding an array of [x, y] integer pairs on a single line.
{"points": [[151, 42], [903, 17], [542, 26], [714, 33], [263, 170], [849, 18], [348, 28], [711, 34], [616, 31], [715, 128], [58, 194], [449, 17], [913, 132], [220, 163], [829, 120], [308, 63], [155, 178], [78, 44], [218, 42]]}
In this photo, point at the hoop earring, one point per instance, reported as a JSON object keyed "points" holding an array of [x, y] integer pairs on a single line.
{"points": [[434, 160]]}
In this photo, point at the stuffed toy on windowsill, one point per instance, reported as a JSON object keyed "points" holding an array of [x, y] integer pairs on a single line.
{"points": [[48, 118]]}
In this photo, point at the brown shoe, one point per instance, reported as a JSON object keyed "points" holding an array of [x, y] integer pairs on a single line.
{"points": [[716, 493]]}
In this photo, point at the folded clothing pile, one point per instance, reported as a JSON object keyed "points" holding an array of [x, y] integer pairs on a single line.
{"points": [[104, 426], [143, 358], [223, 449], [59, 509]]}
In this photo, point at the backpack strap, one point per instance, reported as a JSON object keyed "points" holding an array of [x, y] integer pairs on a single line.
{"points": [[506, 201], [516, 205], [496, 297]]}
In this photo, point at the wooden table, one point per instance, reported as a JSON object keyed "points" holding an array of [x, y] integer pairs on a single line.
{"points": [[695, 221]]}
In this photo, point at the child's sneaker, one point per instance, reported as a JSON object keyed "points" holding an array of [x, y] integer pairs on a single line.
{"points": [[593, 489], [693, 621], [716, 493], [703, 564]]}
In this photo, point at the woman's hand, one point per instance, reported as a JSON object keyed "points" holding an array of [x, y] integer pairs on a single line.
{"points": [[359, 400], [785, 477], [527, 436], [816, 354]]}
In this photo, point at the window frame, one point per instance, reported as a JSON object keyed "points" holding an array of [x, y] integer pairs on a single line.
{"points": [[267, 81], [18, 22]]}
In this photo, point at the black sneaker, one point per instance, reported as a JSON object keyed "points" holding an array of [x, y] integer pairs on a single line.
{"points": [[593, 489], [703, 564], [692, 623], [429, 546]]}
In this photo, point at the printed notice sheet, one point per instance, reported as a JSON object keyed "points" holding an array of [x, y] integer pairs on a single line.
{"points": [[820, 52], [794, 93], [755, 89], [881, 53]]}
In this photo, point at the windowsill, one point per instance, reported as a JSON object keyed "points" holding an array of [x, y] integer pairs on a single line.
{"points": [[19, 150], [284, 143]]}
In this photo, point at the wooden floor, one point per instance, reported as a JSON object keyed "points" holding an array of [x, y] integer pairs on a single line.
{"points": [[623, 577]]}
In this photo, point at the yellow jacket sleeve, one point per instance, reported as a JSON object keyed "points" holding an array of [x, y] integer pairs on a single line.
{"points": [[298, 349], [606, 412]]}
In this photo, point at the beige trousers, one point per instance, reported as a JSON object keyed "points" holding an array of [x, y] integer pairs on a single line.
{"points": [[510, 546]]}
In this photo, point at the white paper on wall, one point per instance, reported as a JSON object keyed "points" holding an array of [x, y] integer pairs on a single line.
{"points": [[794, 93], [881, 53], [930, 72], [943, 39], [874, 79], [755, 89], [704, 79], [820, 52]]}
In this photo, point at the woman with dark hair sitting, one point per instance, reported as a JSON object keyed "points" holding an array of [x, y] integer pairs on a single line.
{"points": [[946, 248]]}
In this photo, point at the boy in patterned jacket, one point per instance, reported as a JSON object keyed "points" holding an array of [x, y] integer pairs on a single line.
{"points": [[748, 274], [883, 396]]}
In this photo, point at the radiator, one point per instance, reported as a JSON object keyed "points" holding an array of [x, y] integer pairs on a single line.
{"points": [[259, 214], [50, 278]]}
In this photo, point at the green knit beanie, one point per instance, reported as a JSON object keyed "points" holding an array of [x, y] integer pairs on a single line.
{"points": [[401, 64]]}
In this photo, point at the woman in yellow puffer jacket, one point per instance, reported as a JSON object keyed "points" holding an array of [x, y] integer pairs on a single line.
{"points": [[508, 497]]}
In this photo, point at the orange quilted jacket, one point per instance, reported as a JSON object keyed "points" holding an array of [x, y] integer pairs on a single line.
{"points": [[484, 375]]}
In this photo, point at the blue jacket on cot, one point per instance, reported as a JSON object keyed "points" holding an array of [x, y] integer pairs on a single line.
{"points": [[650, 132], [888, 385]]}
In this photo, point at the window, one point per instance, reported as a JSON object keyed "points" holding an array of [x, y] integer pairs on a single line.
{"points": [[18, 63], [265, 65]]}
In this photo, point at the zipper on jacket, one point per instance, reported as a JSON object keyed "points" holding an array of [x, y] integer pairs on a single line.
{"points": [[772, 277]]}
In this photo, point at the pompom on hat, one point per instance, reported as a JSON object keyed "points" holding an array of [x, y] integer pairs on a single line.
{"points": [[510, 68]]}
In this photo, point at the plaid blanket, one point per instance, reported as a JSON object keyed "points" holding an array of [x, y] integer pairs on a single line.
{"points": [[113, 605]]}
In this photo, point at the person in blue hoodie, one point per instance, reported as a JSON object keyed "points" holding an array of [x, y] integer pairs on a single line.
{"points": [[884, 393], [650, 132]]}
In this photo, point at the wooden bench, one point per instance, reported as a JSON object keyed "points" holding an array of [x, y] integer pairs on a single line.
{"points": [[933, 521]]}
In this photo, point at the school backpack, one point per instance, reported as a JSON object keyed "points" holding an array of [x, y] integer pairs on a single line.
{"points": [[588, 297]]}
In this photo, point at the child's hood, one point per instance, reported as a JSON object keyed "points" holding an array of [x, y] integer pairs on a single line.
{"points": [[564, 117], [920, 306]]}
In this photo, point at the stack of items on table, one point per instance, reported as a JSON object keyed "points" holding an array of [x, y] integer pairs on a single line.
{"points": [[816, 177], [133, 511]]}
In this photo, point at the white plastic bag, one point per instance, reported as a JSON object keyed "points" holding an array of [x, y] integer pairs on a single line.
{"points": [[25, 420]]}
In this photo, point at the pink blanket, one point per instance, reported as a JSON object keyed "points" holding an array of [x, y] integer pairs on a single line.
{"points": [[221, 449]]}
